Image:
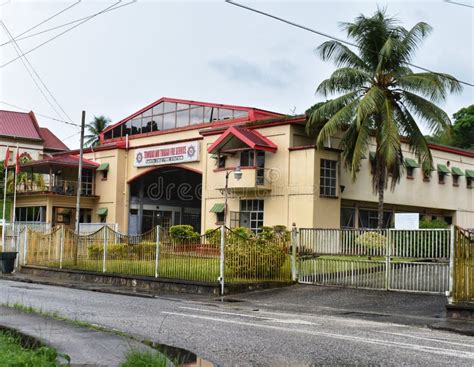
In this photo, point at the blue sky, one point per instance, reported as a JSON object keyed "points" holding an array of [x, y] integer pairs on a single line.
{"points": [[210, 51]]}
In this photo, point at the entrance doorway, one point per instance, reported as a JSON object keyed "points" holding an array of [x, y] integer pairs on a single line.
{"points": [[166, 196]]}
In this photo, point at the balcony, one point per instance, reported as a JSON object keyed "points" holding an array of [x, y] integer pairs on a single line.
{"points": [[253, 179], [56, 187]]}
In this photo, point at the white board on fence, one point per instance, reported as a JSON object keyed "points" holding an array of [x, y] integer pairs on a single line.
{"points": [[407, 221]]}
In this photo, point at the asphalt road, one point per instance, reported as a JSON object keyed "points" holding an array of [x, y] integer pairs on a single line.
{"points": [[251, 332]]}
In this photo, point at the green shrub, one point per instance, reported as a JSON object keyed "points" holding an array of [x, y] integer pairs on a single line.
{"points": [[213, 237], [434, 223], [123, 251], [371, 241], [183, 233]]}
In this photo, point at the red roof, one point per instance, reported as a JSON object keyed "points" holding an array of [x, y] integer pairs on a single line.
{"points": [[252, 138], [59, 160], [51, 141], [19, 125]]}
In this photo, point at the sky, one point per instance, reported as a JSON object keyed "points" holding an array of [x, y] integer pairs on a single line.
{"points": [[122, 60]]}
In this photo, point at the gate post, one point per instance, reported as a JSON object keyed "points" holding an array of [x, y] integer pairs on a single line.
{"points": [[222, 259], [294, 243], [104, 260], [61, 248], [452, 253], [157, 250], [388, 253]]}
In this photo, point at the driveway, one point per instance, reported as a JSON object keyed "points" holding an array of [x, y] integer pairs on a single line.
{"points": [[302, 325]]}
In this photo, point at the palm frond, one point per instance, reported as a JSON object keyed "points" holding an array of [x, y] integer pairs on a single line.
{"points": [[436, 87], [344, 80], [341, 55]]}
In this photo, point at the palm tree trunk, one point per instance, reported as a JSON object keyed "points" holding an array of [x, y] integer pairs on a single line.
{"points": [[381, 192]]}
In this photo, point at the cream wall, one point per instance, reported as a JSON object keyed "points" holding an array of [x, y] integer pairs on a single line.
{"points": [[34, 149]]}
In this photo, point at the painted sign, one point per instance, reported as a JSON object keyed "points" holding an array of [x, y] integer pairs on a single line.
{"points": [[167, 154], [407, 220]]}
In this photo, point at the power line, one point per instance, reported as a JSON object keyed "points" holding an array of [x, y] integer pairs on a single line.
{"points": [[24, 58], [59, 34], [47, 19], [19, 38], [336, 39], [40, 114], [460, 4]]}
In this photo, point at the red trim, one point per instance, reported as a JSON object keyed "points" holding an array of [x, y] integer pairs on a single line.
{"points": [[457, 151], [271, 147], [162, 167], [302, 147], [165, 143]]}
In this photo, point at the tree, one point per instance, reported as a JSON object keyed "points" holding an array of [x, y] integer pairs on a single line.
{"points": [[377, 97], [94, 128]]}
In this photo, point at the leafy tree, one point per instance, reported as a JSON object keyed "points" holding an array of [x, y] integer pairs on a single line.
{"points": [[94, 128], [377, 96]]}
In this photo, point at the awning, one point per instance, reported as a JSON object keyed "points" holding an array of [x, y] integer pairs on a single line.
{"points": [[470, 173], [457, 171], [101, 212], [237, 137], [443, 169], [217, 208], [411, 163], [103, 167]]}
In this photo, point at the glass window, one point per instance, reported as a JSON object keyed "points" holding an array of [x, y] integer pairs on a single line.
{"points": [[157, 123], [347, 217], [182, 118], [117, 131], [182, 106], [247, 158], [169, 121], [136, 126], [410, 172], [221, 161], [328, 174], [146, 125], [441, 176], [196, 115], [369, 219], [469, 184], [455, 180], [240, 114], [251, 214], [108, 135], [147, 113], [208, 114], [169, 107], [158, 109], [225, 114]]}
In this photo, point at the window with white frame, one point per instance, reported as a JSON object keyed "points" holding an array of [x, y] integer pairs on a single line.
{"points": [[251, 214], [328, 178]]}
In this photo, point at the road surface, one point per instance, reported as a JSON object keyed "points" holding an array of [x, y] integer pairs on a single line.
{"points": [[250, 333]]}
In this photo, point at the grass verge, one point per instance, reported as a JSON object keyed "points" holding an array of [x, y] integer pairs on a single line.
{"points": [[137, 358]]}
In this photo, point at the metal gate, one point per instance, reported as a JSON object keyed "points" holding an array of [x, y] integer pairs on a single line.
{"points": [[390, 259]]}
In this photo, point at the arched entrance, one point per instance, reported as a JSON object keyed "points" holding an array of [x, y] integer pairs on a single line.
{"points": [[165, 196]]}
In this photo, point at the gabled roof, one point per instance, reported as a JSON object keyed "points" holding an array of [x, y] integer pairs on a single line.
{"points": [[253, 113], [19, 125], [251, 138], [51, 141], [58, 161]]}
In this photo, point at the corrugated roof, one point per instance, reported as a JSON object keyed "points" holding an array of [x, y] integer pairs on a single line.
{"points": [[51, 141], [19, 125]]}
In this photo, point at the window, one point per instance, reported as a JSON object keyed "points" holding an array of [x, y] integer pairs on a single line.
{"points": [[441, 176], [469, 182], [221, 161], [251, 214], [369, 218], [348, 218], [410, 172], [327, 183], [104, 175], [220, 218], [247, 158], [455, 180], [30, 214]]}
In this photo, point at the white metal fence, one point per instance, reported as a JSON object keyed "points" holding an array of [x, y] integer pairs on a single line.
{"points": [[405, 260]]}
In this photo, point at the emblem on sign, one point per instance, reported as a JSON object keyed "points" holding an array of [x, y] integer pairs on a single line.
{"points": [[139, 157], [191, 151]]}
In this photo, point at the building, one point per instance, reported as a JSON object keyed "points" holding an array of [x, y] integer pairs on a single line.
{"points": [[167, 164]]}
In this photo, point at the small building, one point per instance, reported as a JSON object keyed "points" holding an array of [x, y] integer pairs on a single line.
{"points": [[167, 164]]}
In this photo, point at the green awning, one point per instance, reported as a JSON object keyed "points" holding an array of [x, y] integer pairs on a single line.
{"points": [[457, 171], [102, 212], [470, 173], [103, 167], [443, 169], [411, 163], [217, 208]]}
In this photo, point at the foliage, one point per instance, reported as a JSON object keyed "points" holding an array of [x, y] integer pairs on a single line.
{"points": [[213, 237], [260, 256], [434, 223], [371, 240], [94, 128], [377, 94], [462, 133], [136, 358], [183, 233], [24, 179], [121, 251], [14, 354]]}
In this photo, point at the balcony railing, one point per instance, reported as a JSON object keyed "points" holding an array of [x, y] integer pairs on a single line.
{"points": [[60, 187]]}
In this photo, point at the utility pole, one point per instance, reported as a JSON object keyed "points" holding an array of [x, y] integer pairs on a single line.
{"points": [[79, 185]]}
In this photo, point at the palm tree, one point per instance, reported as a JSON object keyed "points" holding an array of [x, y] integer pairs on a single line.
{"points": [[378, 96], [94, 128]]}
